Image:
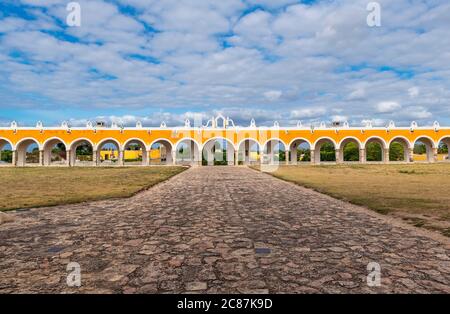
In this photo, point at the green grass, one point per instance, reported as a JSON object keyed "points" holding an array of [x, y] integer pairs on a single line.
{"points": [[37, 187], [417, 193]]}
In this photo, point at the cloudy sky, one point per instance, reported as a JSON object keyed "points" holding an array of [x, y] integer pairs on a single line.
{"points": [[154, 60]]}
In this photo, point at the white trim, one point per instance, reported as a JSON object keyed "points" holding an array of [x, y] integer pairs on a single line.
{"points": [[383, 142], [8, 142], [105, 140], [26, 139], [219, 138], [442, 138], [350, 138], [135, 139], [187, 139], [274, 139], [324, 138], [249, 139], [403, 138], [433, 144], [299, 138], [160, 139], [81, 139], [53, 138]]}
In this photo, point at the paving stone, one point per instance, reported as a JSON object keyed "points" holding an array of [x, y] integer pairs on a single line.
{"points": [[199, 231]]}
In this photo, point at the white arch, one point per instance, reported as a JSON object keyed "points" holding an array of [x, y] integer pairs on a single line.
{"points": [[442, 138], [54, 138], [163, 140], [218, 138], [135, 139], [299, 138], [249, 139], [403, 138], [383, 142], [274, 139], [108, 139], [433, 144], [324, 138], [188, 139], [350, 138], [81, 139], [8, 141], [27, 139]]}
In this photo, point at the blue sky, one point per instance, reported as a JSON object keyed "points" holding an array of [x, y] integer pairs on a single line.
{"points": [[155, 60]]}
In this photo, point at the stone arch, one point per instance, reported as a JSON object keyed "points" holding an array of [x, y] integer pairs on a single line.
{"points": [[131, 155], [26, 154], [165, 150], [6, 151], [295, 147], [322, 156], [109, 152], [347, 155], [273, 152], [375, 149], [429, 148], [81, 152], [187, 151], [405, 145], [247, 154], [54, 157], [225, 155]]}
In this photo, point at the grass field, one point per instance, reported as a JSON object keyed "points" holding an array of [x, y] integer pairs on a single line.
{"points": [[35, 187], [416, 193]]}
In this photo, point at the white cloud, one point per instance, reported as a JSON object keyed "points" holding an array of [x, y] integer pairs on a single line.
{"points": [[388, 106], [273, 95]]}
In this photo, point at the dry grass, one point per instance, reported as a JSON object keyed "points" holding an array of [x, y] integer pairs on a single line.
{"points": [[35, 187], [417, 193]]}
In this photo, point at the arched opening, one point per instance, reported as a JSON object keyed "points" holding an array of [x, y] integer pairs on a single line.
{"points": [[161, 153], [274, 152], [6, 154], [248, 152], [399, 150], [187, 152], [300, 151], [55, 152], [218, 152], [325, 151], [28, 153], [374, 150], [81, 153], [134, 153], [349, 150], [423, 150], [108, 153], [443, 149]]}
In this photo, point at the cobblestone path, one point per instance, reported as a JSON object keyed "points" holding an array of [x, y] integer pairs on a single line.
{"points": [[218, 229]]}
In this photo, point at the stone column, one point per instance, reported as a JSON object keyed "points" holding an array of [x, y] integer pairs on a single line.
{"points": [[362, 155], [313, 158], [14, 158], [386, 156], [121, 157], [236, 159], [411, 155], [287, 153], [68, 158], [174, 157], [94, 157], [435, 155], [41, 157], [338, 156]]}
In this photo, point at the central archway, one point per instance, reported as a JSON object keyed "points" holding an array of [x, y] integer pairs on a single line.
{"points": [[248, 152], [28, 152], [324, 150], [274, 151], [187, 151], [109, 153], [55, 152], [134, 152], [300, 151], [218, 151]]}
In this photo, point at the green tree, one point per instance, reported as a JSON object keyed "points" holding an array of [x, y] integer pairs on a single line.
{"points": [[396, 152], [6, 156], [374, 152], [327, 152], [351, 152]]}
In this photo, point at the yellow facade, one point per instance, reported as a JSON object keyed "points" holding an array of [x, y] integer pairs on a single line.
{"points": [[237, 137]]}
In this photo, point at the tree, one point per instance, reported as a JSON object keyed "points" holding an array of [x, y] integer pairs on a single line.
{"points": [[374, 152], [327, 152], [396, 152], [420, 148], [351, 152]]}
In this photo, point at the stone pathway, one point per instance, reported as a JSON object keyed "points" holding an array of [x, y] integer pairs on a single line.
{"points": [[218, 229]]}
